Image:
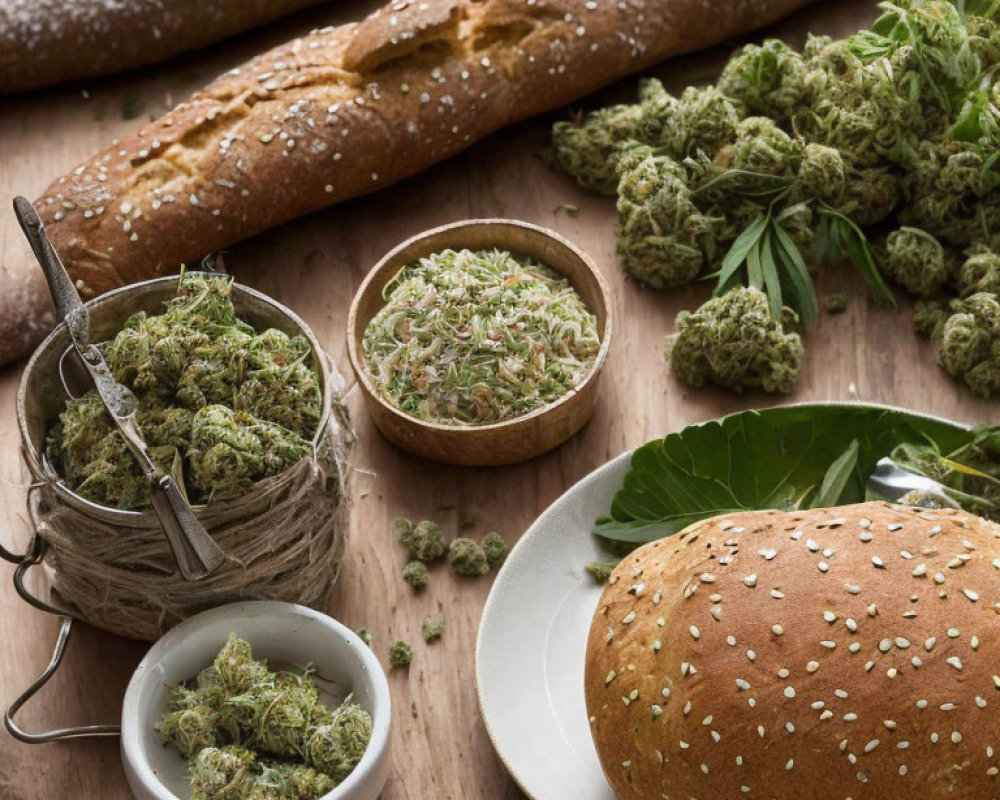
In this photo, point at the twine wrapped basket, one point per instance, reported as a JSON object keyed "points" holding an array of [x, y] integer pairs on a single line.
{"points": [[114, 569]]}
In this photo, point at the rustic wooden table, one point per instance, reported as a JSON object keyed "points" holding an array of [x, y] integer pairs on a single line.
{"points": [[314, 265]]}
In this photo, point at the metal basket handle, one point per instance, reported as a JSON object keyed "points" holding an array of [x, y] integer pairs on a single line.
{"points": [[79, 732], [33, 557]]}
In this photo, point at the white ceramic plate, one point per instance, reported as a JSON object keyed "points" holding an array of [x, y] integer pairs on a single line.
{"points": [[532, 641]]}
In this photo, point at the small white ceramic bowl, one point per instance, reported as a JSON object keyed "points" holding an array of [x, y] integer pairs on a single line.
{"points": [[286, 635]]}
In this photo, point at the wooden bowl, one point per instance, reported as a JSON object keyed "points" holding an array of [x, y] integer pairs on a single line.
{"points": [[499, 443]]}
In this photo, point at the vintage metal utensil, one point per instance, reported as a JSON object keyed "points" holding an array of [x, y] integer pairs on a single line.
{"points": [[891, 482], [196, 552]]}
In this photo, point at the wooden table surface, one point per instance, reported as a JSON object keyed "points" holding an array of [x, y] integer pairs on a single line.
{"points": [[441, 749]]}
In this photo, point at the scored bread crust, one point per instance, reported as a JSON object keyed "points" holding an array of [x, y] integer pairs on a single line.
{"points": [[817, 655], [338, 113]]}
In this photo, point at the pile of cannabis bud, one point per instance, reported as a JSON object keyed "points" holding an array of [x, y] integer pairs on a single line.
{"points": [[425, 544], [476, 337], [251, 733], [220, 405], [880, 149]]}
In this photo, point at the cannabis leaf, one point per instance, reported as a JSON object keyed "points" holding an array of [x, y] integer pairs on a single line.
{"points": [[773, 264], [745, 183], [978, 8], [787, 457], [838, 236]]}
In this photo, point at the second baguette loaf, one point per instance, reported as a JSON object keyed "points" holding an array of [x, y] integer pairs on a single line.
{"points": [[344, 111], [49, 41]]}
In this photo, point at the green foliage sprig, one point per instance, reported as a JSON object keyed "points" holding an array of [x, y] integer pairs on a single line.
{"points": [[787, 458], [773, 264]]}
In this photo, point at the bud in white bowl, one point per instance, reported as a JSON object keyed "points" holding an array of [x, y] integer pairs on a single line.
{"points": [[287, 636]]}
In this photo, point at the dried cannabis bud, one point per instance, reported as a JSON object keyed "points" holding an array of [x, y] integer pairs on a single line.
{"points": [[403, 528], [415, 574], [734, 341], [432, 629], [586, 148], [218, 773], [365, 635], [760, 146], [475, 337], [660, 229], [600, 571], [980, 272], [702, 118], [336, 747], [231, 450], [835, 303], [235, 670], [234, 773], [822, 173], [423, 540], [768, 79], [400, 654], [495, 549], [917, 260], [220, 406], [467, 558], [190, 725], [240, 718], [966, 339]]}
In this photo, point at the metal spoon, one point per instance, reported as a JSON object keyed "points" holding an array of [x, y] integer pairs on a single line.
{"points": [[196, 553], [892, 483]]}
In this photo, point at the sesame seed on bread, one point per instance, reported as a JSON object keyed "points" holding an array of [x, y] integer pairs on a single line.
{"points": [[833, 654]]}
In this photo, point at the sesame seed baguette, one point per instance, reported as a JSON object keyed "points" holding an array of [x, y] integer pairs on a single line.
{"points": [[817, 655], [339, 113], [49, 41]]}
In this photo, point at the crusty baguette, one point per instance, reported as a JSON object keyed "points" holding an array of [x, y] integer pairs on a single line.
{"points": [[339, 113], [823, 654], [49, 41]]}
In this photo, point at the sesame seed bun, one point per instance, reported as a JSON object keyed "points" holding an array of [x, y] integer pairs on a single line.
{"points": [[833, 654]]}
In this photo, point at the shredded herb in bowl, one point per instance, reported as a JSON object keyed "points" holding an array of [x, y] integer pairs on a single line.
{"points": [[476, 337]]}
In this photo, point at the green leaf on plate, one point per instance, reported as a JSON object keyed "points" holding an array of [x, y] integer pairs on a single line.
{"points": [[837, 476], [785, 457]]}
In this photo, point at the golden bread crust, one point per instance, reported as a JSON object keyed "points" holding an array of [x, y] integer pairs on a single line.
{"points": [[818, 655]]}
